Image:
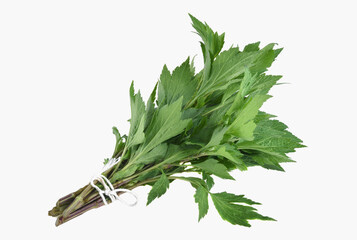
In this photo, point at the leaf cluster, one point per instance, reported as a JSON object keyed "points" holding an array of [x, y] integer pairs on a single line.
{"points": [[208, 123]]}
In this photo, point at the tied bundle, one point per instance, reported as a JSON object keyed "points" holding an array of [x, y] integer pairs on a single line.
{"points": [[206, 123]]}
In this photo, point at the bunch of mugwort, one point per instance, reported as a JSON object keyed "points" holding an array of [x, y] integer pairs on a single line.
{"points": [[206, 123]]}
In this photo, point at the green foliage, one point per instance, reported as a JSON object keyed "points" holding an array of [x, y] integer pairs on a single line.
{"points": [[208, 179], [212, 42], [212, 166], [179, 84], [208, 123], [136, 134], [201, 198], [158, 189], [120, 144], [166, 123], [227, 207]]}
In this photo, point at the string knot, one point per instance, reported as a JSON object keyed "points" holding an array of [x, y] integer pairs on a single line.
{"points": [[109, 189]]}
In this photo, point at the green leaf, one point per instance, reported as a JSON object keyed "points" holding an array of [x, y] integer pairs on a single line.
{"points": [[236, 214], [139, 135], [243, 90], [232, 63], [156, 154], [137, 117], [211, 46], [228, 65], [209, 180], [202, 132], [195, 182], [265, 160], [150, 174], [159, 188], [272, 137], [180, 84], [263, 83], [207, 67], [275, 136], [164, 85], [150, 106], [252, 47], [261, 116], [250, 147], [243, 126], [130, 170], [119, 144], [214, 167], [192, 65], [166, 123], [212, 42], [217, 137], [201, 197], [271, 142], [264, 59], [232, 198], [224, 69], [230, 153], [176, 153]]}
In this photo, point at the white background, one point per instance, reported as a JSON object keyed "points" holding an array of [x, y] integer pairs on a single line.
{"points": [[65, 71]]}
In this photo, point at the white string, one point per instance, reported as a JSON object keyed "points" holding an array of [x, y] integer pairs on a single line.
{"points": [[109, 190]]}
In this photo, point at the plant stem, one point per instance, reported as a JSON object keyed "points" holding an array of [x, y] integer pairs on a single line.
{"points": [[67, 199], [95, 195], [62, 219], [96, 203], [69, 206], [78, 201]]}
